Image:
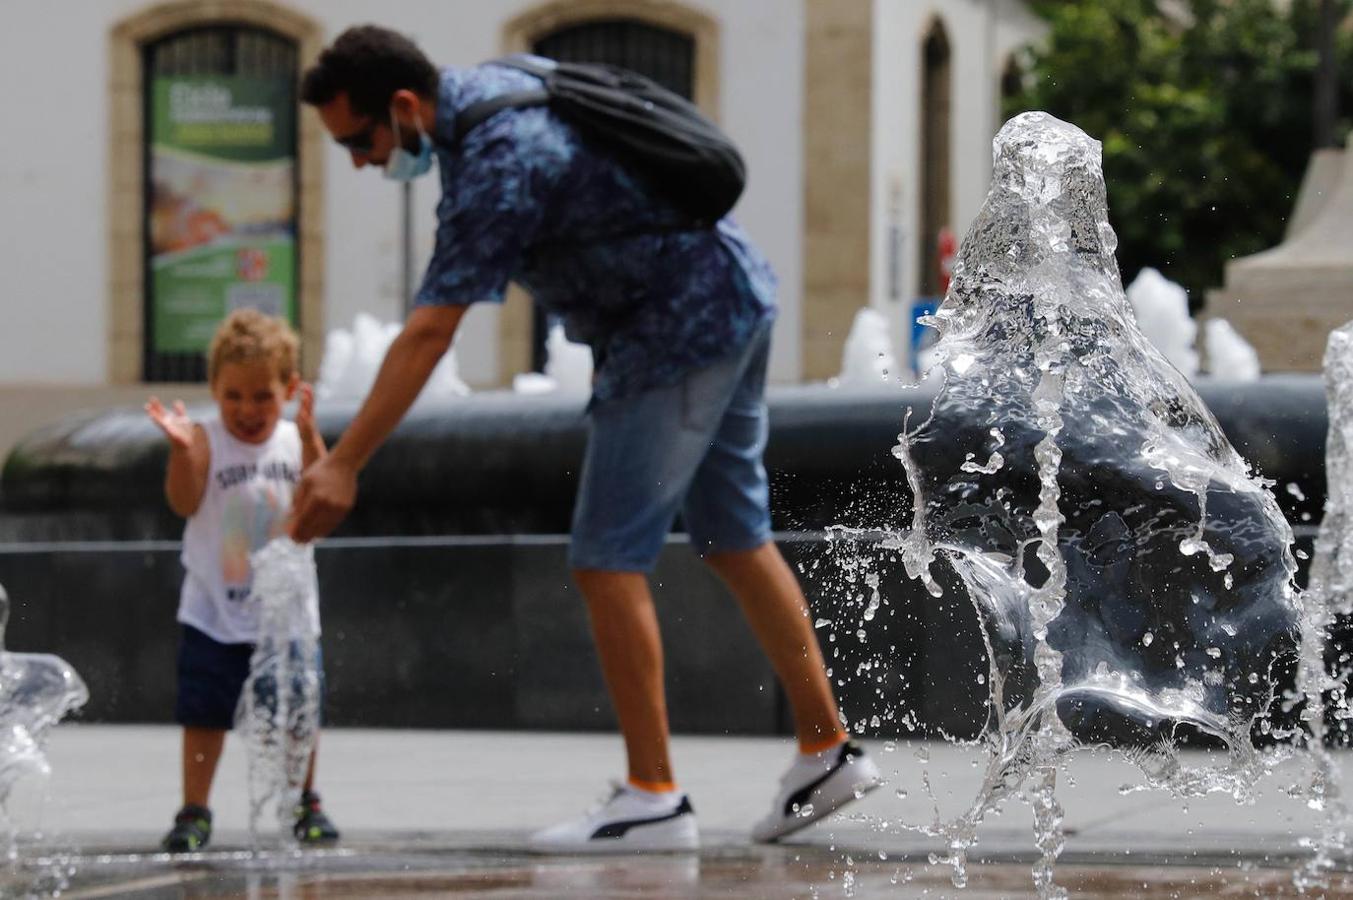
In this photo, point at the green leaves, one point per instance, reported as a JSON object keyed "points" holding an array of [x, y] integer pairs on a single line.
{"points": [[1205, 116]]}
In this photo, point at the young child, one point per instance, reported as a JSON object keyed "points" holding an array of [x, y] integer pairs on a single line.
{"points": [[232, 478]]}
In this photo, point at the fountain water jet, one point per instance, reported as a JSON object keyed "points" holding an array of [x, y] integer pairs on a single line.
{"points": [[1329, 594], [1161, 309], [36, 691], [1133, 579], [278, 714]]}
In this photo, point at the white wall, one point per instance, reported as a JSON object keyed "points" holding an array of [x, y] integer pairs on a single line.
{"points": [[895, 180], [981, 34], [53, 71], [52, 211], [762, 109]]}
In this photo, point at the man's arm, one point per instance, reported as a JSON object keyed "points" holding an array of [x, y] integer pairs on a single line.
{"points": [[329, 489]]}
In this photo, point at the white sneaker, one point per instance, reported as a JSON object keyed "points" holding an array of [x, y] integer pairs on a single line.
{"points": [[815, 786], [630, 821]]}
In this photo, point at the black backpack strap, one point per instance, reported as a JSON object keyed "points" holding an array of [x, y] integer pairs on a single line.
{"points": [[523, 63], [477, 113], [481, 111]]}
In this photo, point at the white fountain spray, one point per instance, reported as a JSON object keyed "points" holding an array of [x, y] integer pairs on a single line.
{"points": [[278, 715], [36, 691], [1329, 593], [1115, 511]]}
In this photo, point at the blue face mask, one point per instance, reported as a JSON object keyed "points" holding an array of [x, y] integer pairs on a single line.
{"points": [[403, 165]]}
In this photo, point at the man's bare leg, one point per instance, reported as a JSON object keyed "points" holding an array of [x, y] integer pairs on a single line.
{"points": [[775, 606], [625, 628]]}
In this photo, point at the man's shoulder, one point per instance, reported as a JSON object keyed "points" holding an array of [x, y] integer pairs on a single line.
{"points": [[462, 86]]}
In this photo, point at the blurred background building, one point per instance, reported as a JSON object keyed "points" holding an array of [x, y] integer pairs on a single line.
{"points": [[159, 169], [160, 172]]}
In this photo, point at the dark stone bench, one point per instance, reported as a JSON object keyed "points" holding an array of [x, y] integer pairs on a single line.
{"points": [[446, 597]]}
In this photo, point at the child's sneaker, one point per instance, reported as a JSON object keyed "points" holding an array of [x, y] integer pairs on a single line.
{"points": [[630, 821], [816, 785], [191, 831], [312, 825]]}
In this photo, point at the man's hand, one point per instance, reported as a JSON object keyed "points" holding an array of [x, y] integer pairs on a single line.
{"points": [[325, 495], [176, 425]]}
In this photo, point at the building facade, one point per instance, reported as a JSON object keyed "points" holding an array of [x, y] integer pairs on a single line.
{"points": [[866, 125]]}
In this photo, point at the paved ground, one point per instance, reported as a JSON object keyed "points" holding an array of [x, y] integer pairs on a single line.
{"points": [[446, 814]]}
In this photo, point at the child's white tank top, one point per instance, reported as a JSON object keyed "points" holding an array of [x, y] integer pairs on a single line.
{"points": [[245, 505]]}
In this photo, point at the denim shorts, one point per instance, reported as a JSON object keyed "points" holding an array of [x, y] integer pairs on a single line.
{"points": [[211, 676], [693, 448]]}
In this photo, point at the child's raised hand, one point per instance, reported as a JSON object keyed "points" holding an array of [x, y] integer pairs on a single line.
{"points": [[305, 410], [174, 423]]}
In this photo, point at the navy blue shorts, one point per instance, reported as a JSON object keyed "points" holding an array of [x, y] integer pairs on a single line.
{"points": [[211, 676]]}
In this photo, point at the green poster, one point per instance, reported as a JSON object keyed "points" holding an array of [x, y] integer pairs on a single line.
{"points": [[222, 204]]}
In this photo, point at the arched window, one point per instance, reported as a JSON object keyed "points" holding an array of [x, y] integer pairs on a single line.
{"points": [[663, 54], [220, 189], [935, 114]]}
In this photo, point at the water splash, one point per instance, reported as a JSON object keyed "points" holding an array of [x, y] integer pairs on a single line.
{"points": [[867, 359], [1329, 594], [1161, 308], [568, 367], [278, 715], [1129, 573], [353, 358], [567, 362], [1229, 356], [36, 691]]}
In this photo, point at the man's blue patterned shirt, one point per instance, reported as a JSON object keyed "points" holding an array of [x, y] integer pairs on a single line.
{"points": [[528, 199]]}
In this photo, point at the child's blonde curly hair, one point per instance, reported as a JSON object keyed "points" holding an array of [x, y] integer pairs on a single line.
{"points": [[248, 335]]}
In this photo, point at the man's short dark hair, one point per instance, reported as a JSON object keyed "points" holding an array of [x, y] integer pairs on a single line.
{"points": [[369, 64]]}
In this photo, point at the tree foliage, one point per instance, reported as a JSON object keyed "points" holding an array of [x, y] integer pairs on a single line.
{"points": [[1205, 111]]}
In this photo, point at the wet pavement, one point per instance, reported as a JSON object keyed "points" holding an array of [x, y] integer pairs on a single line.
{"points": [[373, 871], [446, 814]]}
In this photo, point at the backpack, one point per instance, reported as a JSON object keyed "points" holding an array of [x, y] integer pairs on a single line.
{"points": [[656, 133]]}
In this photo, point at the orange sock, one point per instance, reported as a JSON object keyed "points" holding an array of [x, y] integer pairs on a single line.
{"points": [[653, 787], [825, 744]]}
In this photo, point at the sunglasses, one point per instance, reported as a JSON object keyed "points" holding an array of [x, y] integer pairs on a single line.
{"points": [[361, 141]]}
